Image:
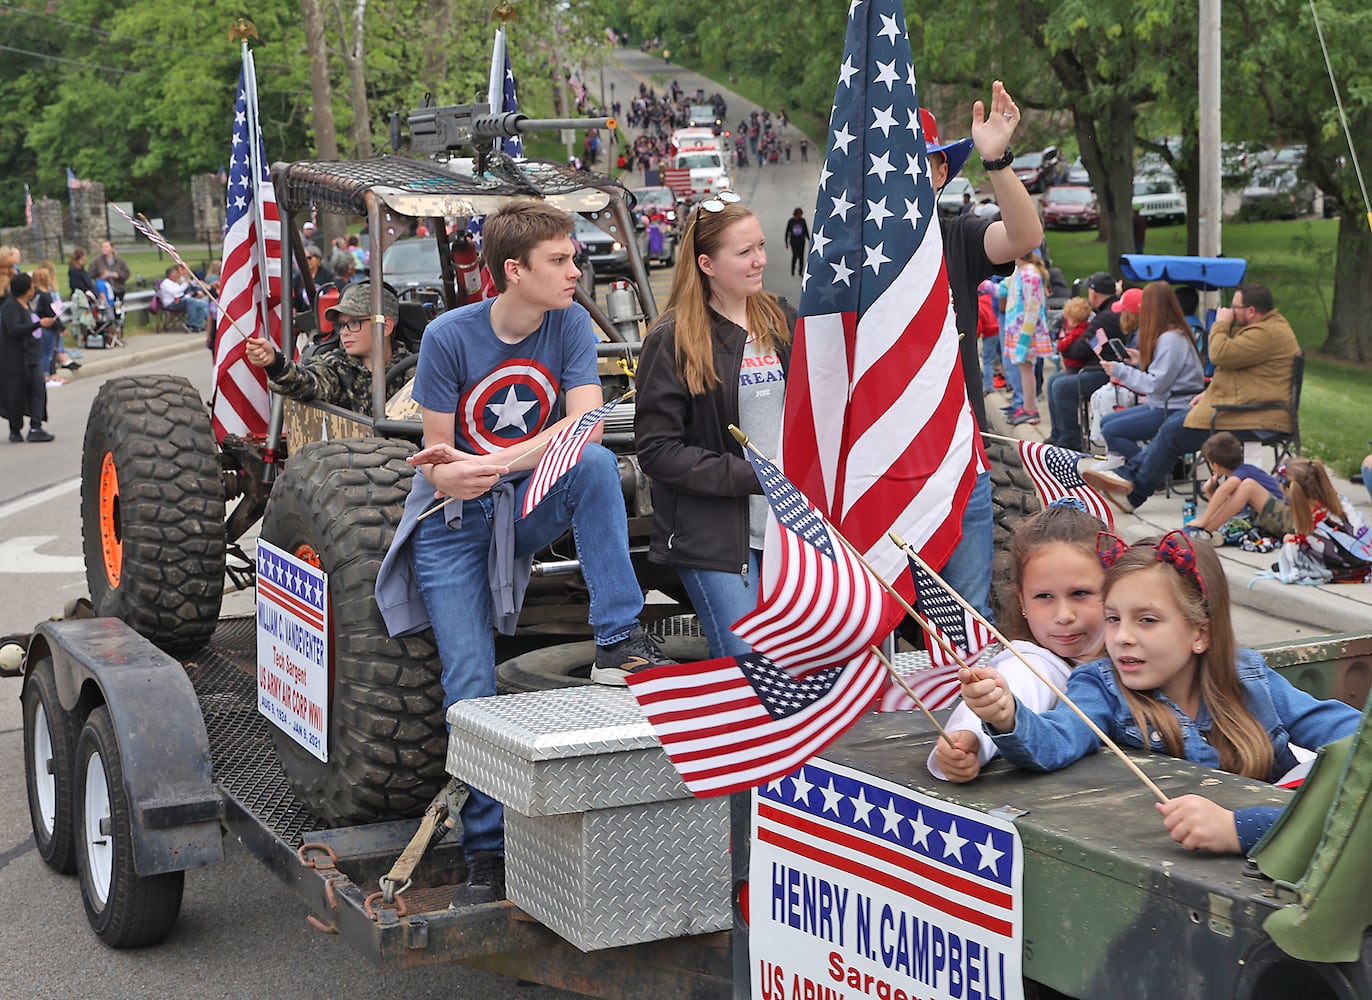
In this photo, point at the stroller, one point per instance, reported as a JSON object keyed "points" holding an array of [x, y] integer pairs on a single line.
{"points": [[94, 322]]}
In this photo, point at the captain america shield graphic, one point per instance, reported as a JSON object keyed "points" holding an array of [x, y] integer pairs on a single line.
{"points": [[509, 406]]}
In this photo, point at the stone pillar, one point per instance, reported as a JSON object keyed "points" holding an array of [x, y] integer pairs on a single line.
{"points": [[47, 220], [89, 227], [207, 201]]}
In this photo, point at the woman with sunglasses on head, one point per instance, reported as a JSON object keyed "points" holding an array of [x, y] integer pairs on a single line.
{"points": [[717, 355], [1176, 674]]}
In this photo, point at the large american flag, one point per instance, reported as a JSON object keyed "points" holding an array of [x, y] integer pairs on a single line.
{"points": [[878, 430], [736, 722], [250, 283], [562, 453], [1055, 475], [818, 604], [513, 145]]}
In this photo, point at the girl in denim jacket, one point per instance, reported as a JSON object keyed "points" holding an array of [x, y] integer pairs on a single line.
{"points": [[1057, 582], [1176, 682]]}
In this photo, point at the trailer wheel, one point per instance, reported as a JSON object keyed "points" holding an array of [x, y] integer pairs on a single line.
{"points": [[125, 909], [337, 505], [152, 511], [568, 664], [49, 766]]}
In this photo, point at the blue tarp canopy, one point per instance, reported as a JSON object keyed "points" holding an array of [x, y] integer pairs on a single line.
{"points": [[1205, 273]]}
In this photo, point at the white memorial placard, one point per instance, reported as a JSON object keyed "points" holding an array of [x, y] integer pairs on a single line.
{"points": [[293, 647], [859, 888]]}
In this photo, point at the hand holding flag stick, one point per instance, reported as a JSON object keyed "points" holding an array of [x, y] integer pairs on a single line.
{"points": [[1062, 697], [746, 442]]}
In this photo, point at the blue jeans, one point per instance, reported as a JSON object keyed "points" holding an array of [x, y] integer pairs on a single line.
{"points": [[1125, 429], [1367, 478], [720, 599], [1066, 390], [51, 338], [450, 566], [968, 569], [990, 350], [1149, 468], [1015, 383]]}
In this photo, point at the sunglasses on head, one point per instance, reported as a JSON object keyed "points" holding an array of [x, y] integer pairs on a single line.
{"points": [[717, 203]]}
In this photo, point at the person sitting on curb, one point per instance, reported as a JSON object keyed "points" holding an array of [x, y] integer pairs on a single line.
{"points": [[1237, 488], [1253, 348], [342, 377]]}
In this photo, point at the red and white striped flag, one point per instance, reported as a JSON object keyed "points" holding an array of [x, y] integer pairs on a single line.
{"points": [[1055, 475], [562, 453], [878, 430], [736, 722], [153, 237], [936, 687], [250, 283], [818, 604]]}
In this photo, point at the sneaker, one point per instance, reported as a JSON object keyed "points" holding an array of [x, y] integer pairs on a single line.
{"points": [[1024, 417], [1108, 481], [999, 382], [38, 434], [614, 663], [16, 438], [1193, 532], [485, 881], [1107, 463], [72, 366], [1009, 411]]}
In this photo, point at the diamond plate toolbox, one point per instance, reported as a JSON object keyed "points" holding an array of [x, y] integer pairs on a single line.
{"points": [[603, 842]]}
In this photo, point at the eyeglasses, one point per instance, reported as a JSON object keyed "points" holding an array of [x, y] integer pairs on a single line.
{"points": [[353, 325], [717, 203]]}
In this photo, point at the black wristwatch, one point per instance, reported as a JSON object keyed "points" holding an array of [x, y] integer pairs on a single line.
{"points": [[1005, 160]]}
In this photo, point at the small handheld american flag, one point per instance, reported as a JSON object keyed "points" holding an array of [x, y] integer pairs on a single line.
{"points": [[563, 451]]}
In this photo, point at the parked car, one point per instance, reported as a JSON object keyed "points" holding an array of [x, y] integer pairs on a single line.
{"points": [[606, 254], [1159, 199], [1069, 206], [1277, 193], [950, 198], [1076, 174], [1039, 169], [412, 265]]}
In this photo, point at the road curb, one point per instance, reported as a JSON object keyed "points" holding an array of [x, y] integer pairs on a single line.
{"points": [[113, 359]]}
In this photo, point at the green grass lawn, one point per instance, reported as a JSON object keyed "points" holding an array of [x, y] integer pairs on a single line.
{"points": [[1295, 260]]}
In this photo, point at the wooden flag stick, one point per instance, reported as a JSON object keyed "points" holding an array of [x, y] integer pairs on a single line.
{"points": [[900, 681], [1062, 697], [952, 651], [1002, 437], [514, 461]]}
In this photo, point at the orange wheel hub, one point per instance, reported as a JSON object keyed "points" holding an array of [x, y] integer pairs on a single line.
{"points": [[111, 531], [306, 553]]}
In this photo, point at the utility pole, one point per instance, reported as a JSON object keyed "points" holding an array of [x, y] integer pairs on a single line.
{"points": [[1211, 196]]}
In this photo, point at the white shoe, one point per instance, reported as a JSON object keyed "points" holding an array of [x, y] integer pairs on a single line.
{"points": [[1110, 461]]}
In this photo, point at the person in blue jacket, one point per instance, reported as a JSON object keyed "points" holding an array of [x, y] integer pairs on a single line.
{"points": [[1175, 682]]}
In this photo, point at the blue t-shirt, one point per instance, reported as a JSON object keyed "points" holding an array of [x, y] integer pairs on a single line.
{"points": [[502, 394], [1262, 477]]}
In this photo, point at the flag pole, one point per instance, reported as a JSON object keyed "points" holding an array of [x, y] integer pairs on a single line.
{"points": [[1002, 437], [929, 630], [514, 461], [1138, 772]]}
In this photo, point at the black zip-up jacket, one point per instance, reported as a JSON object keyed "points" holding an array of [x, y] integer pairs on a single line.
{"points": [[701, 481]]}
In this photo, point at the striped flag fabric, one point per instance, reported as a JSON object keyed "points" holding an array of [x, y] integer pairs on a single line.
{"points": [[250, 282], [936, 687], [1055, 475], [818, 605], [740, 721], [562, 453], [152, 235], [878, 431], [512, 145]]}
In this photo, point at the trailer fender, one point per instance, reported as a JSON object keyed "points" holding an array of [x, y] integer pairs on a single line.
{"points": [[161, 736]]}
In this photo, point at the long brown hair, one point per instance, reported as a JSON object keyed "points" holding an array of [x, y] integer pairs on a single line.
{"points": [[1242, 742], [688, 303], [1308, 486], [1050, 526], [1159, 311]]}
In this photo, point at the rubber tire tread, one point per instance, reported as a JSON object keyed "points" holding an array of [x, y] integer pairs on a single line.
{"points": [[58, 848], [387, 737], [140, 911], [568, 664], [171, 506]]}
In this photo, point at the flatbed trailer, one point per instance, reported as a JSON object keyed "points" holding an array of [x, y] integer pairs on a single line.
{"points": [[1111, 906]]}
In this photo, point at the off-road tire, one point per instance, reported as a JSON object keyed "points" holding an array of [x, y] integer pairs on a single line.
{"points": [[568, 664], [152, 511], [50, 735], [125, 909], [337, 504], [1013, 499]]}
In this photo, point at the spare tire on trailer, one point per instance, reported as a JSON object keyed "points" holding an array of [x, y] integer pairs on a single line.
{"points": [[336, 505], [152, 511]]}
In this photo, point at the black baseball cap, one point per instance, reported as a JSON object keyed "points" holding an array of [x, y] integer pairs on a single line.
{"points": [[1102, 282]]}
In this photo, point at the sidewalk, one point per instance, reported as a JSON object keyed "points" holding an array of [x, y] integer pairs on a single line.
{"points": [[1336, 607], [140, 346]]}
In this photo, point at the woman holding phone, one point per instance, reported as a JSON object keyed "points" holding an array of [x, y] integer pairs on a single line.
{"points": [[1166, 368]]}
